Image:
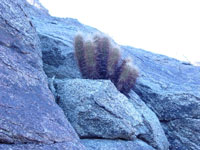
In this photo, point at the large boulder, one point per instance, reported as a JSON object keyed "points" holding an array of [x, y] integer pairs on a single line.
{"points": [[102, 144], [96, 109], [171, 89], [57, 36], [156, 136], [58, 59], [28, 112]]}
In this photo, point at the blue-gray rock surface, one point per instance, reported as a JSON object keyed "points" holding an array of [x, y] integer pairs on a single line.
{"points": [[56, 146], [28, 112], [96, 109], [171, 89], [156, 136], [56, 36], [37, 5], [102, 144]]}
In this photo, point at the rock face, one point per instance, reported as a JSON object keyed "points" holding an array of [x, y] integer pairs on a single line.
{"points": [[171, 89], [28, 112], [38, 5], [156, 136], [100, 144], [96, 109], [58, 61], [57, 146], [57, 35]]}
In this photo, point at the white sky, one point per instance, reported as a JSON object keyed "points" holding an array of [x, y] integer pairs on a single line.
{"points": [[170, 27]]}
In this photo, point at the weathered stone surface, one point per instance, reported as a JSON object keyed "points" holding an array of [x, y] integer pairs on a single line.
{"points": [[171, 89], [102, 144], [96, 109], [156, 136], [38, 5], [57, 35], [58, 61], [56, 146], [28, 112], [183, 133]]}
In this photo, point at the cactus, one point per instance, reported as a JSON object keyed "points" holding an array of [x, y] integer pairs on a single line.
{"points": [[80, 53], [112, 64], [98, 59], [127, 76], [103, 47], [90, 60]]}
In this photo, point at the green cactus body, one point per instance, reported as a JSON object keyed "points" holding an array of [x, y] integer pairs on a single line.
{"points": [[90, 60], [79, 53], [127, 77]]}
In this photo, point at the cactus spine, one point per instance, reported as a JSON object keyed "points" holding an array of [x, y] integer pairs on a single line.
{"points": [[90, 60], [98, 59], [113, 59], [103, 47], [127, 76], [80, 53]]}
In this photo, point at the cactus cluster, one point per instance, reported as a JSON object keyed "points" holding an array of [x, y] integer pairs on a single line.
{"points": [[98, 58]]}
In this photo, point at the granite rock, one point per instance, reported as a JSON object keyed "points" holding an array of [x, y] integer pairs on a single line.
{"points": [[28, 112], [96, 109]]}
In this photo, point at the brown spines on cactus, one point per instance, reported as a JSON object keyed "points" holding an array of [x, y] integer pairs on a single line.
{"points": [[80, 54], [112, 64], [98, 59], [90, 60], [103, 46], [127, 76]]}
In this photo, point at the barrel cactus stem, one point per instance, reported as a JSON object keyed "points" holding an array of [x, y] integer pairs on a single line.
{"points": [[127, 76], [80, 54]]}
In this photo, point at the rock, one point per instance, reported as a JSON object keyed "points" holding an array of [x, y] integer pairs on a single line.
{"points": [[183, 133], [38, 5], [28, 112], [156, 136], [102, 144], [96, 109], [171, 89], [57, 35], [56, 146], [58, 61]]}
